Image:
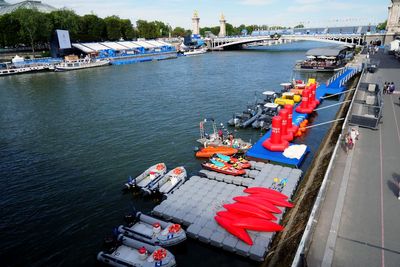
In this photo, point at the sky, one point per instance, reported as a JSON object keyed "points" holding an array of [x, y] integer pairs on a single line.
{"points": [[311, 13]]}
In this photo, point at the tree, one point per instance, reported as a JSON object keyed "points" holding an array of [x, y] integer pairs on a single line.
{"points": [[34, 26], [148, 30], [178, 32], [65, 19], [92, 29], [9, 28], [381, 26], [113, 27], [300, 26], [127, 30]]}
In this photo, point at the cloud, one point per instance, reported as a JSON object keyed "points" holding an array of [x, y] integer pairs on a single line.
{"points": [[256, 2]]}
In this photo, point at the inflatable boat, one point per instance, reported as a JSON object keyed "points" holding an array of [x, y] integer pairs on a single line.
{"points": [[126, 251], [152, 231], [169, 183], [211, 150], [221, 167], [151, 175]]}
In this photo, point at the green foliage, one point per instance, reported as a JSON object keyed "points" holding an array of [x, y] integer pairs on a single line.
{"points": [[178, 32], [300, 26], [9, 28], [127, 31], [92, 29], [65, 19], [113, 26], [34, 27], [381, 26]]}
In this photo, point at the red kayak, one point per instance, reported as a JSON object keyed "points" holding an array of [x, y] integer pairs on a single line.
{"points": [[234, 230], [275, 201], [259, 203], [266, 191], [248, 210], [257, 224]]}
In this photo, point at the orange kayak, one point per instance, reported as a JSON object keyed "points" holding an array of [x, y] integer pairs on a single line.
{"points": [[209, 151]]}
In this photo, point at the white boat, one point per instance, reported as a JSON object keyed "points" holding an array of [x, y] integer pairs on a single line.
{"points": [[152, 231], [148, 177], [20, 70], [74, 63], [195, 52], [169, 183], [126, 251]]}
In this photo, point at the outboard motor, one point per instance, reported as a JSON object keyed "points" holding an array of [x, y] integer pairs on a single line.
{"points": [[109, 244], [130, 219]]}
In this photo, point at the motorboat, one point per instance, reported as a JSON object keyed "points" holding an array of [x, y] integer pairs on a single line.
{"points": [[269, 96], [227, 140], [126, 251], [148, 177], [75, 63], [207, 152], [238, 163], [152, 231], [221, 167], [265, 120], [195, 51], [169, 183], [247, 117]]}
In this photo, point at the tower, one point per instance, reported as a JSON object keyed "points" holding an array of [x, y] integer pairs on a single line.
{"points": [[222, 27], [196, 23], [393, 22]]}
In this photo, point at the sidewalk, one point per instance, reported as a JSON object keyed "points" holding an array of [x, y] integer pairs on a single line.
{"points": [[365, 230]]}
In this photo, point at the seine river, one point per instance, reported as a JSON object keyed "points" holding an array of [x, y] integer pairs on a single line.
{"points": [[68, 142]]}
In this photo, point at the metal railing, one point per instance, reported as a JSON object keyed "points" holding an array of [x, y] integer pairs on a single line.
{"points": [[311, 223]]}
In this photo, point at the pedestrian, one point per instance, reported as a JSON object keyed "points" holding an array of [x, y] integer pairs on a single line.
{"points": [[346, 142], [385, 88], [221, 134], [354, 135], [391, 88]]}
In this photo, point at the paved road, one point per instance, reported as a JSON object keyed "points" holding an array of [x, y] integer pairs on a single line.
{"points": [[369, 222]]}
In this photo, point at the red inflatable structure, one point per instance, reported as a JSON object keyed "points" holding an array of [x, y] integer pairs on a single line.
{"points": [[276, 142], [305, 106], [290, 126], [285, 134]]}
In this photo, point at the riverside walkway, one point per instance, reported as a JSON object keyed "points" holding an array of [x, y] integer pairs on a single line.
{"points": [[359, 223]]}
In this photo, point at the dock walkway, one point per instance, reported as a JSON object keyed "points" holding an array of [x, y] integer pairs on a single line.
{"points": [[360, 219]]}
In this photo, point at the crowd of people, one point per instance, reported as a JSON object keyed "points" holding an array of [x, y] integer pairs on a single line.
{"points": [[388, 88]]}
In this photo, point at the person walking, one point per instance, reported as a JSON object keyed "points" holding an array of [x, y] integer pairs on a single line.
{"points": [[392, 88], [385, 88]]}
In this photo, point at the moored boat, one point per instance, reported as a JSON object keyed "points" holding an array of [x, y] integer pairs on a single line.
{"points": [[196, 51], [126, 251], [152, 174], [207, 152], [169, 183], [221, 167], [152, 231], [240, 162], [74, 63]]}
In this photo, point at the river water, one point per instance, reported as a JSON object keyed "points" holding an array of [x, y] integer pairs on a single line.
{"points": [[68, 142]]}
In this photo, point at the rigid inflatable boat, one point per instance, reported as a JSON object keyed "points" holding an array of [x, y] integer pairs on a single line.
{"points": [[152, 231], [151, 175], [238, 163], [169, 183], [126, 251]]}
